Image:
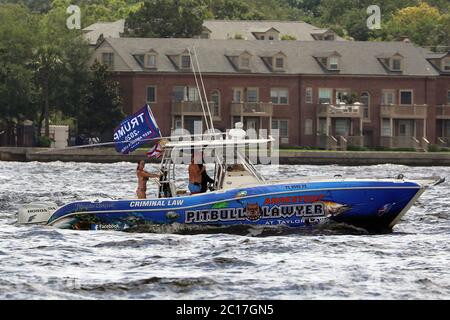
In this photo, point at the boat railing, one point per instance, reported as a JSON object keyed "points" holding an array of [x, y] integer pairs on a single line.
{"points": [[250, 167]]}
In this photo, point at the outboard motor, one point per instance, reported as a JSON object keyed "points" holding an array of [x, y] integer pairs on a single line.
{"points": [[36, 212]]}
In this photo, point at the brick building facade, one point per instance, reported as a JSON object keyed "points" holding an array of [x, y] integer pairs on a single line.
{"points": [[330, 94]]}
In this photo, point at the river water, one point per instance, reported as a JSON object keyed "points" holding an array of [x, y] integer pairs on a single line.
{"points": [[39, 262]]}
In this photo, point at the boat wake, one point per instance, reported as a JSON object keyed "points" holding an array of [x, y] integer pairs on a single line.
{"points": [[329, 228]]}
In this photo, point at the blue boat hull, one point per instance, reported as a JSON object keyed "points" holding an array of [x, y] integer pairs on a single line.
{"points": [[371, 204]]}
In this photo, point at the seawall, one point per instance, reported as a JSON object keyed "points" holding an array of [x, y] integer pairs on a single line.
{"points": [[349, 158]]}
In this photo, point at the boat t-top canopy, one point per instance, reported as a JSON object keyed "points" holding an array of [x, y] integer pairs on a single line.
{"points": [[216, 143]]}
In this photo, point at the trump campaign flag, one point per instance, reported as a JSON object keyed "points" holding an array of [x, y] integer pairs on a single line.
{"points": [[136, 130], [155, 151]]}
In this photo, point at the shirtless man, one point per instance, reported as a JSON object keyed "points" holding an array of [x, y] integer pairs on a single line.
{"points": [[143, 177], [195, 177]]}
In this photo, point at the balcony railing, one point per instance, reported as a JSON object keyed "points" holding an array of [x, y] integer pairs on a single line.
{"points": [[443, 111], [193, 108], [443, 141], [339, 111], [252, 109], [404, 142], [327, 142], [403, 111], [355, 141]]}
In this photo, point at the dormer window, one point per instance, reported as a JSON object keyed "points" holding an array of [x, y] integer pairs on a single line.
{"points": [[245, 63], [108, 59], [446, 64], [393, 62], [185, 62], [333, 63], [396, 64], [151, 61], [279, 63], [329, 60]]}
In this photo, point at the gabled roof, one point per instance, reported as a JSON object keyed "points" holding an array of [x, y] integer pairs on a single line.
{"points": [[327, 54], [357, 58], [104, 29], [236, 53], [227, 29], [388, 55]]}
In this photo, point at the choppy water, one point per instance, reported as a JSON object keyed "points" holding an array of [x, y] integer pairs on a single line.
{"points": [[44, 263]]}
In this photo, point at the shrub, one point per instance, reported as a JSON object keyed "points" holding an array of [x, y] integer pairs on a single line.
{"points": [[44, 141]]}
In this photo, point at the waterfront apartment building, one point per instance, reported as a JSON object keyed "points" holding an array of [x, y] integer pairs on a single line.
{"points": [[329, 94]]}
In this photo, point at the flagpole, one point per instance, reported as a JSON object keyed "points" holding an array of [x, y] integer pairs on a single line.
{"points": [[133, 141]]}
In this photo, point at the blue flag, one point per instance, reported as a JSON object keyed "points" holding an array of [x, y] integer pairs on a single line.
{"points": [[136, 130]]}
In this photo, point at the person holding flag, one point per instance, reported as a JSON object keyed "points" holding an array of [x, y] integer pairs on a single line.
{"points": [[134, 131], [143, 177]]}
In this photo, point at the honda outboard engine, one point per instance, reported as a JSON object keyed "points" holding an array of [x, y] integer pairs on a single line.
{"points": [[36, 212]]}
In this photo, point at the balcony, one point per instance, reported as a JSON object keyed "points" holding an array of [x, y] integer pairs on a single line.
{"points": [[339, 111], [403, 111], [443, 142], [252, 109], [194, 108], [339, 142], [443, 111], [405, 142]]}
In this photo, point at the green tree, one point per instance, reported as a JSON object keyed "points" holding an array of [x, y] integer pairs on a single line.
{"points": [[102, 106], [421, 24], [16, 45], [167, 19], [60, 66]]}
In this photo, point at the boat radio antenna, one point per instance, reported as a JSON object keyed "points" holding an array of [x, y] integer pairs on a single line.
{"points": [[198, 89], [203, 87]]}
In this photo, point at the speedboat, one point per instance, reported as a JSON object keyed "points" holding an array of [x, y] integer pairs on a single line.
{"points": [[240, 195]]}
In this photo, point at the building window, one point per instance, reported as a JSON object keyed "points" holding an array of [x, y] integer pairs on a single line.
{"points": [[108, 59], [279, 63], [388, 97], [282, 126], [151, 61], [342, 96], [334, 63], [448, 97], [178, 94], [245, 62], [342, 127], [252, 94], [406, 97], [396, 64], [185, 62], [279, 96], [386, 128], [215, 99], [181, 93], [271, 38], [309, 95], [204, 35], [261, 38], [325, 96], [365, 100], [446, 64], [151, 94], [308, 127], [237, 95]]}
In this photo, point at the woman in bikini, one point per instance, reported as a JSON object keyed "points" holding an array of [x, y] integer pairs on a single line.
{"points": [[143, 177]]}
